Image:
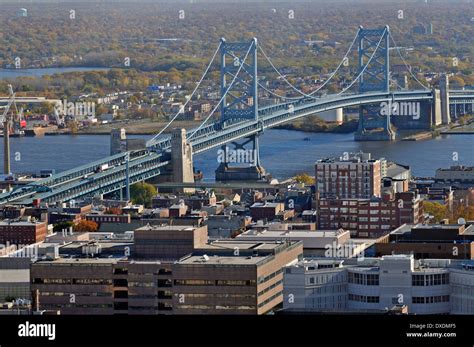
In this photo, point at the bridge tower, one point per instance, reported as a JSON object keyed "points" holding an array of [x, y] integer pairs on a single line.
{"points": [[240, 103], [374, 76], [182, 159]]}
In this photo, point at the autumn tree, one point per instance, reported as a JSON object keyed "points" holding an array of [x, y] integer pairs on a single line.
{"points": [[86, 226], [114, 210], [304, 178]]}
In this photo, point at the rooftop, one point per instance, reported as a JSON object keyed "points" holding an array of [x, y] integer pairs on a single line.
{"points": [[86, 261], [222, 260], [166, 228], [19, 223], [296, 234]]}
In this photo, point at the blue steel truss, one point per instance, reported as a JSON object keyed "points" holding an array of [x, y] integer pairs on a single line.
{"points": [[144, 164], [239, 103], [376, 76]]}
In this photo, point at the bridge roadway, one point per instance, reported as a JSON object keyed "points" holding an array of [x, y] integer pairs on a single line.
{"points": [[86, 181]]}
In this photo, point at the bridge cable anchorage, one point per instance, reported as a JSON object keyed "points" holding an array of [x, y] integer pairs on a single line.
{"points": [[150, 142], [405, 63], [366, 65], [225, 94], [310, 95]]}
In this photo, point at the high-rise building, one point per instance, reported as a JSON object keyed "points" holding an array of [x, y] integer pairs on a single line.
{"points": [[352, 176]]}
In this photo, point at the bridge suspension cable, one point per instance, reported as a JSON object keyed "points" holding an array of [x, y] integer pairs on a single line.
{"points": [[268, 90], [310, 95], [225, 93], [366, 65], [406, 64], [190, 97]]}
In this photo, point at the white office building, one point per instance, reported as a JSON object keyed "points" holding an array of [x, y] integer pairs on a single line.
{"points": [[434, 286]]}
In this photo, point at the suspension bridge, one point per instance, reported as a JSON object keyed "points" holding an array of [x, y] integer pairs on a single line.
{"points": [[241, 118]]}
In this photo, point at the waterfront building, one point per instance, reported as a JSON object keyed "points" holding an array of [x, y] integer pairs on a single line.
{"points": [[455, 174]]}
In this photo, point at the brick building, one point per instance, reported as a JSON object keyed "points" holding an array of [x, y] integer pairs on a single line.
{"points": [[109, 218], [370, 217], [22, 232], [356, 176]]}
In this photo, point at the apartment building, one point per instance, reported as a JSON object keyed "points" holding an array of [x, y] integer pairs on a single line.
{"points": [[370, 218], [354, 176]]}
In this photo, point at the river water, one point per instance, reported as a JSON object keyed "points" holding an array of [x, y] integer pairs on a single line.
{"points": [[283, 153]]}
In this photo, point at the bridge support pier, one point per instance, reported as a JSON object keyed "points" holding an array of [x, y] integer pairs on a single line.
{"points": [[240, 163], [182, 159], [373, 126]]}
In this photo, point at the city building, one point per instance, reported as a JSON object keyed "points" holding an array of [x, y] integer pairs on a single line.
{"points": [[14, 278], [108, 218], [434, 286], [270, 211], [22, 232], [456, 174], [316, 243], [231, 277], [355, 176], [169, 241], [370, 217], [438, 241], [440, 195], [226, 226], [220, 278]]}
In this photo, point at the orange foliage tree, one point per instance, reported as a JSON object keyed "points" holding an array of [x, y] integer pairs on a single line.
{"points": [[86, 226]]}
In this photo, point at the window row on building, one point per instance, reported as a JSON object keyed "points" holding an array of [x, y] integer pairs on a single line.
{"points": [[430, 299], [430, 280], [364, 279]]}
